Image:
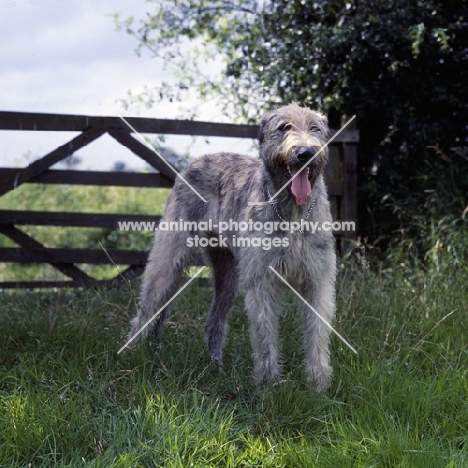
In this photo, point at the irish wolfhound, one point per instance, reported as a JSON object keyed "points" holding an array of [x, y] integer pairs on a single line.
{"points": [[290, 137]]}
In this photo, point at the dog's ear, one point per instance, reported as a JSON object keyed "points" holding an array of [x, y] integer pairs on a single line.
{"points": [[263, 124], [323, 121]]}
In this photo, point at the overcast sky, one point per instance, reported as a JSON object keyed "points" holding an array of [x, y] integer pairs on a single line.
{"points": [[65, 56]]}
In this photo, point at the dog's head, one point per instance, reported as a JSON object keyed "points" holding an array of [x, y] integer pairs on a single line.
{"points": [[292, 140]]}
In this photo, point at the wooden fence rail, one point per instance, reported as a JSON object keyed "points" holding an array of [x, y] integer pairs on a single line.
{"points": [[341, 179]]}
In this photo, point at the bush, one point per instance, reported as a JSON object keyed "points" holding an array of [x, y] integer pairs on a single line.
{"points": [[432, 229]]}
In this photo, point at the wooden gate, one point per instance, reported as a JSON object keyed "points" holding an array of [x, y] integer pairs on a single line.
{"points": [[341, 179]]}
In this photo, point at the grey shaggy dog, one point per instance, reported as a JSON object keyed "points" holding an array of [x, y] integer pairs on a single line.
{"points": [[290, 137]]}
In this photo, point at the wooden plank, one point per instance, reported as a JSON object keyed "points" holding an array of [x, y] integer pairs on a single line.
{"points": [[59, 284], [22, 239], [44, 284], [128, 274], [135, 258], [107, 179], [198, 282], [54, 218], [93, 220], [73, 123], [151, 180], [148, 155], [142, 180], [89, 256], [48, 122], [350, 184], [334, 173], [37, 167], [185, 127]]}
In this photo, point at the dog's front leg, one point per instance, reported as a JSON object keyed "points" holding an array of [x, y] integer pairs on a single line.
{"points": [[317, 332], [263, 313]]}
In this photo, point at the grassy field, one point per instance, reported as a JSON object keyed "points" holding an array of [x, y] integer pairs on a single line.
{"points": [[68, 399]]}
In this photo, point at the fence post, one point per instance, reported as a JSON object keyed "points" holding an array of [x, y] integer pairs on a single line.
{"points": [[349, 185]]}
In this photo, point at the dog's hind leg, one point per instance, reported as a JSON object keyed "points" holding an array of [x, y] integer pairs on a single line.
{"points": [[225, 284], [167, 260]]}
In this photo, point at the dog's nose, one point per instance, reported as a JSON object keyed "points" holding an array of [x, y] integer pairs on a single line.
{"points": [[305, 154]]}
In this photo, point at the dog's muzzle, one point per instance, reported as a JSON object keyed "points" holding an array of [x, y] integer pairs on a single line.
{"points": [[300, 186]]}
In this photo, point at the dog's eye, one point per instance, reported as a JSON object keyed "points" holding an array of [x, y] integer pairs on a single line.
{"points": [[284, 127], [314, 129]]}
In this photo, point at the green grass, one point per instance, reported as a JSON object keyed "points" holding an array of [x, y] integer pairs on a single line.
{"points": [[68, 399]]}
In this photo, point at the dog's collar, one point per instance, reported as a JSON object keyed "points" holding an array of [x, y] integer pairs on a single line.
{"points": [[309, 211]]}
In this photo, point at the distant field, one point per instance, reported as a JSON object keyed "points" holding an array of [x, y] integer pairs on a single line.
{"points": [[37, 197]]}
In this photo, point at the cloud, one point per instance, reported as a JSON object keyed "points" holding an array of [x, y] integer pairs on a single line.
{"points": [[67, 57]]}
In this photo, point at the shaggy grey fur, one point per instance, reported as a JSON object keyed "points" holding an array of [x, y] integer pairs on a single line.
{"points": [[289, 137]]}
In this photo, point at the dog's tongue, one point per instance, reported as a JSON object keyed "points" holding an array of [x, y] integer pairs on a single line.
{"points": [[300, 186]]}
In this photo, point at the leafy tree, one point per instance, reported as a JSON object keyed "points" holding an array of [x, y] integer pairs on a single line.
{"points": [[401, 66]]}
